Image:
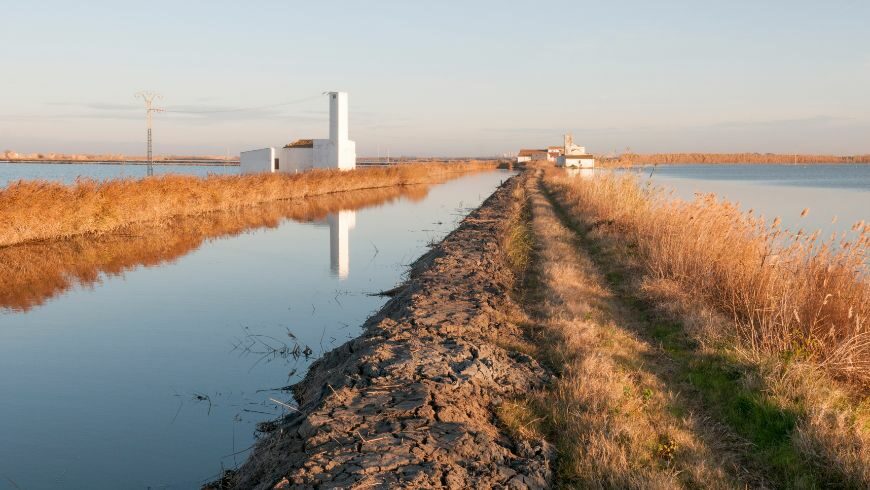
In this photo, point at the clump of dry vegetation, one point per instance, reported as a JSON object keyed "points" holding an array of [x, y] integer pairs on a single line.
{"points": [[768, 327], [39, 210], [628, 159]]}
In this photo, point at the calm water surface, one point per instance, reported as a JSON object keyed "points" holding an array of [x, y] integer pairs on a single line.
{"points": [[837, 195], [148, 375], [68, 173]]}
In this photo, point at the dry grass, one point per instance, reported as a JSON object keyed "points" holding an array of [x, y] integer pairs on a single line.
{"points": [[789, 307], [788, 293], [614, 419], [37, 210], [30, 274]]}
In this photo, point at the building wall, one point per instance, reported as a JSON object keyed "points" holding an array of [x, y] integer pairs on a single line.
{"points": [[292, 160], [524, 159], [257, 161], [576, 162]]}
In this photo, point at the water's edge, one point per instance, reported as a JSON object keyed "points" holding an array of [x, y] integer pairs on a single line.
{"points": [[408, 402]]}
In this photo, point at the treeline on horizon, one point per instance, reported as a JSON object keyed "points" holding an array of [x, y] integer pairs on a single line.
{"points": [[712, 158]]}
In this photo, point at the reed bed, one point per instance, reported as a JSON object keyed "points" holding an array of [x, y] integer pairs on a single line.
{"points": [[778, 318], [787, 293], [30, 274], [39, 210]]}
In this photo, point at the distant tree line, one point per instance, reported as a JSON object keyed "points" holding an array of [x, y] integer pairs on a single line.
{"points": [[627, 159]]}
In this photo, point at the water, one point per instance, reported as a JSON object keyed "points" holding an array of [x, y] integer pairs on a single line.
{"points": [[68, 173], [837, 195], [134, 361]]}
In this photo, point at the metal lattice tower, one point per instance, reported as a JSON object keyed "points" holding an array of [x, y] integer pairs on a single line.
{"points": [[149, 98]]}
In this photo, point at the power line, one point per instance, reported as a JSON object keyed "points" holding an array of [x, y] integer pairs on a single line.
{"points": [[241, 109]]}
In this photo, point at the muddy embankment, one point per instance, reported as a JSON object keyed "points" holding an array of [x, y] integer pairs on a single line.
{"points": [[410, 403]]}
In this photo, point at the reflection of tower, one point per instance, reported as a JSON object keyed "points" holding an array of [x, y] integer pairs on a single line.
{"points": [[340, 224]]}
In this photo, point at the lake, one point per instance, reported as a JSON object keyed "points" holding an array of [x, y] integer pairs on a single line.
{"points": [[68, 173], [837, 195], [145, 360]]}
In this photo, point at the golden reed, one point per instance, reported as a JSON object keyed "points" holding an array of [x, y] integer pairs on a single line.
{"points": [[39, 210], [786, 293], [32, 273]]}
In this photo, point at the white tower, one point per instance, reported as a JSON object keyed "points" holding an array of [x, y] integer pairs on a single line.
{"points": [[343, 150]]}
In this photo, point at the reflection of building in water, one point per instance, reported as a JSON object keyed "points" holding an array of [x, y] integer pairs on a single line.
{"points": [[583, 173], [340, 224]]}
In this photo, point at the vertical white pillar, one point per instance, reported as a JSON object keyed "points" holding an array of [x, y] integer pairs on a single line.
{"points": [[340, 225], [337, 117]]}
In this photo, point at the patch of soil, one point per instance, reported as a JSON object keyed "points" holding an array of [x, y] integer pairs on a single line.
{"points": [[410, 403]]}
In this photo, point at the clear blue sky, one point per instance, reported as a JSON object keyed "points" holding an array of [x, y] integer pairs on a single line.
{"points": [[439, 78]]}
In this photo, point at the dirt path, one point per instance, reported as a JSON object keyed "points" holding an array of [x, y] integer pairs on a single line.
{"points": [[616, 410], [411, 402]]}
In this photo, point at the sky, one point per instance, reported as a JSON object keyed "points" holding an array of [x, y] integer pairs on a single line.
{"points": [[445, 78]]}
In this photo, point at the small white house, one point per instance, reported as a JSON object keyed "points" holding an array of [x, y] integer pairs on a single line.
{"points": [[336, 152], [574, 156], [527, 155]]}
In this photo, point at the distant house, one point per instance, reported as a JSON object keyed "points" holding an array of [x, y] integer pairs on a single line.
{"points": [[574, 156], [526, 155], [554, 152]]}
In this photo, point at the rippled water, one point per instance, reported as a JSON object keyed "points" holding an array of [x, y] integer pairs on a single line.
{"points": [[136, 361]]}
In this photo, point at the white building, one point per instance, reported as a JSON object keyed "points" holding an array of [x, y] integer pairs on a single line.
{"points": [[574, 156], [336, 152], [527, 155]]}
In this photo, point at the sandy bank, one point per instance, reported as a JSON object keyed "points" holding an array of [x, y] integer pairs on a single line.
{"points": [[410, 403]]}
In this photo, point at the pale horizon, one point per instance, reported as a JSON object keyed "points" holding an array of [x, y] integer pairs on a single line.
{"points": [[445, 79]]}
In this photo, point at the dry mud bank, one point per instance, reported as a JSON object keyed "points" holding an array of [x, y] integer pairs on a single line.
{"points": [[411, 402]]}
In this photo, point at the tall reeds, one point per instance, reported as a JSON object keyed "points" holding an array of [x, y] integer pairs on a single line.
{"points": [[789, 294], [32, 273], [39, 210]]}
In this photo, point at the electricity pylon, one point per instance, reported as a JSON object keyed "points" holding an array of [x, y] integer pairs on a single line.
{"points": [[149, 97]]}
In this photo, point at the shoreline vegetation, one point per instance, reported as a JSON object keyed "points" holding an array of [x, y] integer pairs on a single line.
{"points": [[707, 347], [39, 210], [635, 159], [31, 274]]}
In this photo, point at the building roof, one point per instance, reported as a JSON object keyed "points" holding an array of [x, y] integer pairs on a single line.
{"points": [[300, 144], [528, 153], [555, 147]]}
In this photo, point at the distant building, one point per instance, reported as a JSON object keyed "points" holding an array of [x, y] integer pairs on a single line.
{"points": [[574, 156], [526, 155], [336, 152], [554, 152]]}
